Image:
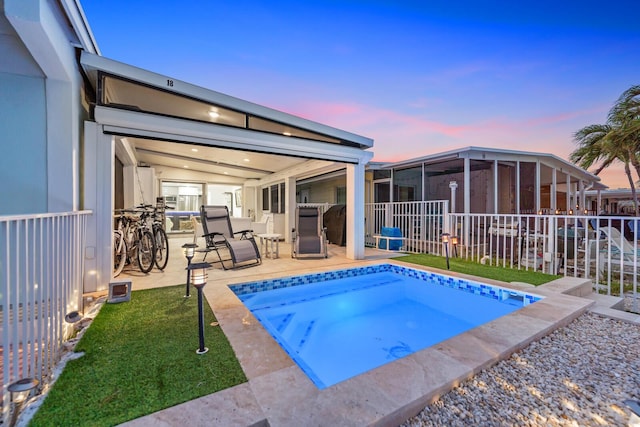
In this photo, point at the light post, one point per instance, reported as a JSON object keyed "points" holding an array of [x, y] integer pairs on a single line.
{"points": [[445, 242], [189, 250], [199, 280], [20, 391], [454, 245]]}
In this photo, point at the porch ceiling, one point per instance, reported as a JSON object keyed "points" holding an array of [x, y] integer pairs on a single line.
{"points": [[210, 160]]}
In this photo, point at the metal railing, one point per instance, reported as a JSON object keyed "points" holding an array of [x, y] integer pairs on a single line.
{"points": [[421, 223], [604, 249], [41, 275]]}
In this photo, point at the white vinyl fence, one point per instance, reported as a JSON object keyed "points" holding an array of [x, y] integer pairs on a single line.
{"points": [[421, 223], [602, 248], [41, 268], [605, 249]]}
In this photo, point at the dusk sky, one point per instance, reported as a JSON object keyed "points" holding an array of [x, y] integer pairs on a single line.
{"points": [[418, 77]]}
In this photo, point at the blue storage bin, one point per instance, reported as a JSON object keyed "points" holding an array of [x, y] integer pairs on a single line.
{"points": [[394, 245]]}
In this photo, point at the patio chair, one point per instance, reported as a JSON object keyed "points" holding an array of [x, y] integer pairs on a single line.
{"points": [[219, 235], [309, 235], [621, 251], [260, 227], [197, 228]]}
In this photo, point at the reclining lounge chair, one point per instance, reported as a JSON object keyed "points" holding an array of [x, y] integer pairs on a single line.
{"points": [[309, 236], [219, 235]]}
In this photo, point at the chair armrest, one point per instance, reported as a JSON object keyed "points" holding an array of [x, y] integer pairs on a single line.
{"points": [[214, 234], [244, 234]]}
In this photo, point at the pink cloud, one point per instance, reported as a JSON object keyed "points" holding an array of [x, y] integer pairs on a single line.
{"points": [[399, 136], [350, 116]]}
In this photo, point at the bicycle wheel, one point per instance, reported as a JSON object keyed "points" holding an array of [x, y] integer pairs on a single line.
{"points": [[162, 248], [146, 252], [119, 254]]}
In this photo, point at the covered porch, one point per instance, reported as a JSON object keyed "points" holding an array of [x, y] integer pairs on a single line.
{"points": [[157, 128]]}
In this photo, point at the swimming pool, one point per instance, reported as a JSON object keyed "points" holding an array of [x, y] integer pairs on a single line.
{"points": [[339, 324]]}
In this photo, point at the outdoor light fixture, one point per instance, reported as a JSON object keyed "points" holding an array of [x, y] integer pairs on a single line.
{"points": [[198, 280], [189, 250], [73, 317], [20, 391], [570, 211], [445, 241], [454, 244]]}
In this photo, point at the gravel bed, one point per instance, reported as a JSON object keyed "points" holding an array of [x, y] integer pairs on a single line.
{"points": [[579, 375]]}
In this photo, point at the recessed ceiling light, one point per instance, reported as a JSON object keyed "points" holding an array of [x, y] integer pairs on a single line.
{"points": [[246, 160], [226, 173], [195, 150], [286, 133], [214, 114], [186, 167]]}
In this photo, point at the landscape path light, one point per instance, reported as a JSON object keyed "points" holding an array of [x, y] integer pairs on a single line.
{"points": [[445, 242], [19, 392], [199, 280], [189, 250], [454, 245]]}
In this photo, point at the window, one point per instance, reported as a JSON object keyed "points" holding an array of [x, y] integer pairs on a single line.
{"points": [[265, 199], [273, 198], [407, 184], [341, 195]]}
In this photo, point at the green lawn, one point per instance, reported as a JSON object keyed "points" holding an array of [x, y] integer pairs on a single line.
{"points": [[139, 358], [459, 265]]}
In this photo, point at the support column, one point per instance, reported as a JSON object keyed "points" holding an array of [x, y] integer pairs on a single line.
{"points": [[289, 207], [495, 187], [518, 187], [554, 191], [453, 185], [355, 211], [538, 189], [99, 154], [467, 185], [569, 202]]}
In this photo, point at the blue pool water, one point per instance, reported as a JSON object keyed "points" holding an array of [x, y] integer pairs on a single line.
{"points": [[340, 324]]}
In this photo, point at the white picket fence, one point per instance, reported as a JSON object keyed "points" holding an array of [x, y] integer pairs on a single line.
{"points": [[41, 271]]}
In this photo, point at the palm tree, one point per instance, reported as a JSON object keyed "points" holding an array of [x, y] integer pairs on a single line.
{"points": [[616, 141], [626, 112]]}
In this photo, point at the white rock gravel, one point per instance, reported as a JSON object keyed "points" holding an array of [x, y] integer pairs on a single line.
{"points": [[579, 375]]}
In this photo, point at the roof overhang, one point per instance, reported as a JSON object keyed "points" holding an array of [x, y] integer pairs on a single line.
{"points": [[93, 64], [491, 154]]}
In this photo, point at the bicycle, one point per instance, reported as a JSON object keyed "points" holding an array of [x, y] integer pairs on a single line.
{"points": [[119, 252], [153, 218], [138, 241]]}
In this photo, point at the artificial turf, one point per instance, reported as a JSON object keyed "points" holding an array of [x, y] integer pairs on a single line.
{"points": [[494, 272], [139, 357]]}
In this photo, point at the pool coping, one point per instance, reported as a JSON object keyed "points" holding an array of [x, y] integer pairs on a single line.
{"points": [[278, 393]]}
